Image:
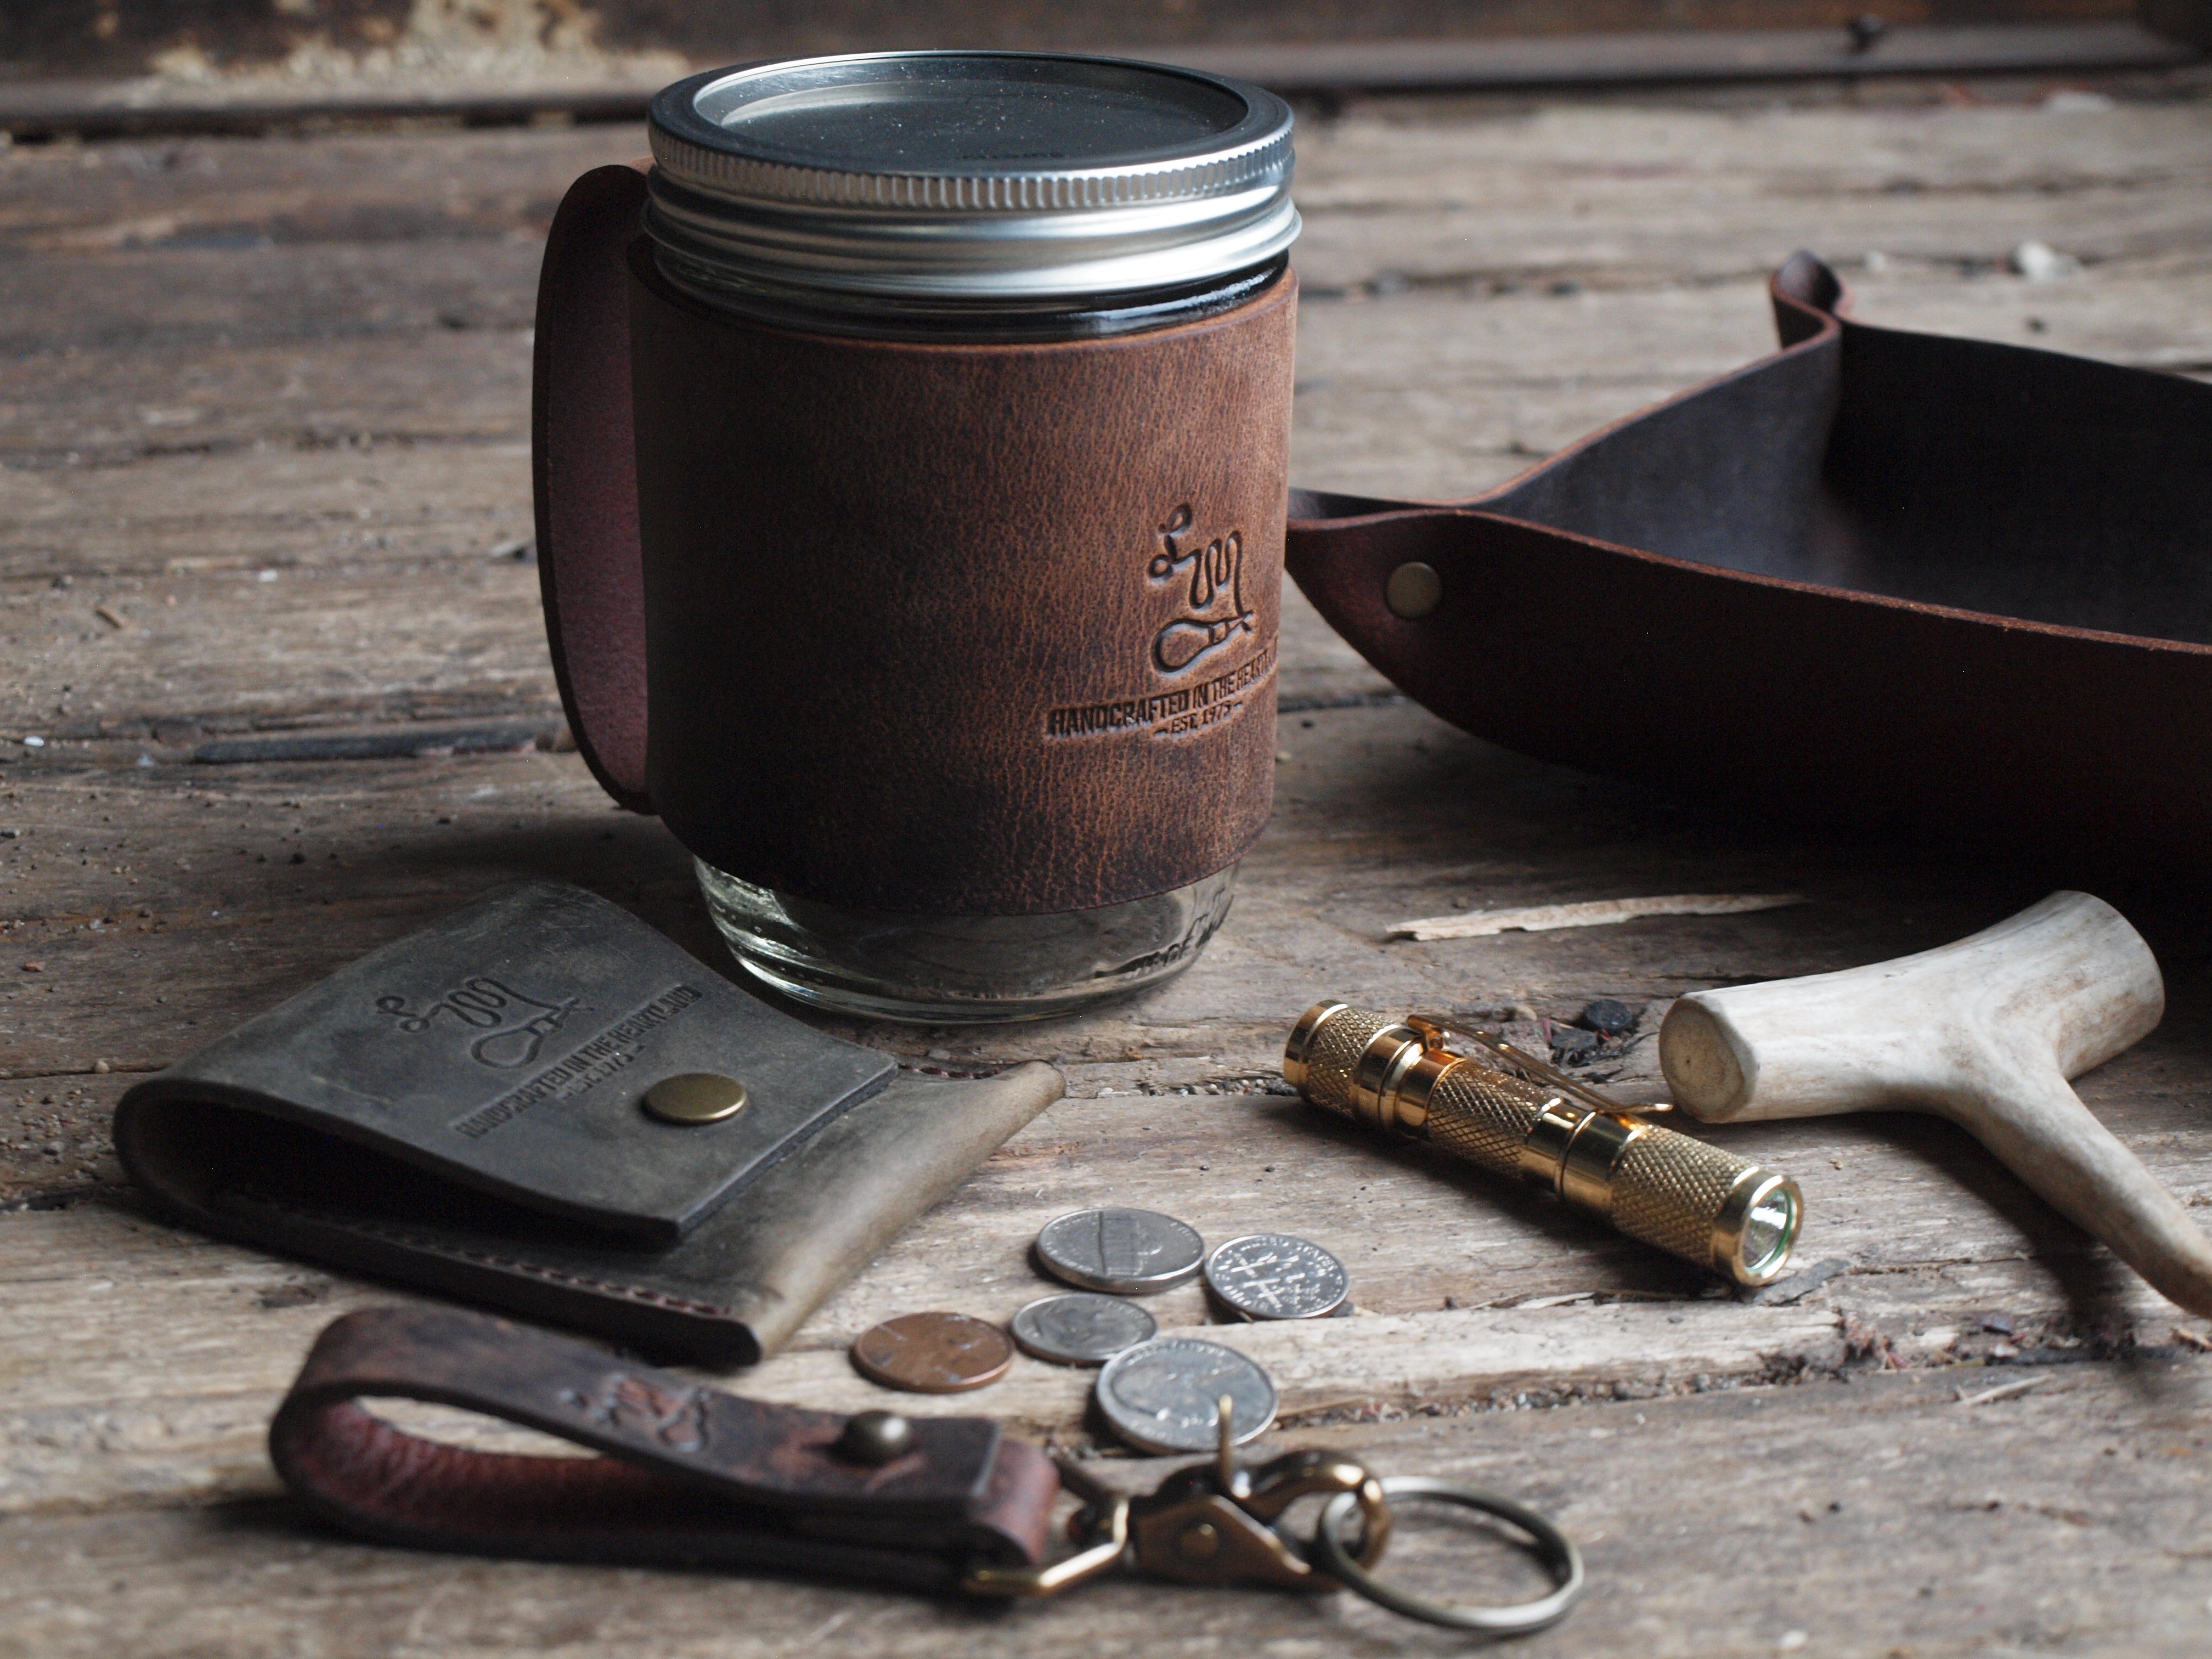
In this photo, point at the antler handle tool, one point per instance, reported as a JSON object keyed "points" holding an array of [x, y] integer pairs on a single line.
{"points": [[1986, 1032]]}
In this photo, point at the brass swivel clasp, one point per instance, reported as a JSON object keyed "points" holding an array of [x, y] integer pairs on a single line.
{"points": [[1220, 1523], [1213, 1523]]}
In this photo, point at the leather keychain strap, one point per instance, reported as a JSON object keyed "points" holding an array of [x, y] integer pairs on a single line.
{"points": [[689, 1475]]}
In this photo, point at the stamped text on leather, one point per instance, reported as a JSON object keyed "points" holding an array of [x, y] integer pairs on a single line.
{"points": [[1203, 576], [585, 1068]]}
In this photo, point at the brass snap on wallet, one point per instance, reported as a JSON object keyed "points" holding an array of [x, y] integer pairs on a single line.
{"points": [[543, 1104]]}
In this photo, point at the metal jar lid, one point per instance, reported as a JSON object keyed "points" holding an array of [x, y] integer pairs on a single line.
{"points": [[970, 175]]}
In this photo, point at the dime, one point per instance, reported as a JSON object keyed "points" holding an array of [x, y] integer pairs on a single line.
{"points": [[933, 1353], [1160, 1396], [1275, 1276], [1125, 1252], [1081, 1328]]}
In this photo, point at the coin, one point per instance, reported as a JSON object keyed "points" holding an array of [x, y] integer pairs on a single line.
{"points": [[1275, 1276], [1160, 1396], [1127, 1252], [933, 1353], [1081, 1328]]}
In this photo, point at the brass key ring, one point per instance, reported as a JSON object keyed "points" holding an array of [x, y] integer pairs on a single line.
{"points": [[1551, 1546]]}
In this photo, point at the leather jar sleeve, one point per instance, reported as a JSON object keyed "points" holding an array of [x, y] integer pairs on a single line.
{"points": [[938, 627], [956, 628], [687, 1475], [584, 468]]}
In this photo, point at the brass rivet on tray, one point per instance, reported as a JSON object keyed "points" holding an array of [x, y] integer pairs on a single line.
{"points": [[695, 1098], [1413, 590]]}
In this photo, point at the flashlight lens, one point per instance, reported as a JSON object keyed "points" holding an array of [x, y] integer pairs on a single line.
{"points": [[1769, 1231]]}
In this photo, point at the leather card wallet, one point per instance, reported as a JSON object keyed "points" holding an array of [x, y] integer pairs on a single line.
{"points": [[463, 1109]]}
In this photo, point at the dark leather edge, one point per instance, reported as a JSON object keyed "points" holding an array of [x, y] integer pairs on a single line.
{"points": [[1808, 298], [584, 474]]}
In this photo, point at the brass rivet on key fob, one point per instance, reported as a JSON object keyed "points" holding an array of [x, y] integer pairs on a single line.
{"points": [[691, 1098], [875, 1437]]}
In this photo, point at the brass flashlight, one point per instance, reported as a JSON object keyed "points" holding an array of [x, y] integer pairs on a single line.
{"points": [[1664, 1188]]}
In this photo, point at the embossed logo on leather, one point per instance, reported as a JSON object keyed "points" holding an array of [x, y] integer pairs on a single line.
{"points": [[1205, 575], [513, 1034], [1214, 609], [677, 1420], [584, 1067]]}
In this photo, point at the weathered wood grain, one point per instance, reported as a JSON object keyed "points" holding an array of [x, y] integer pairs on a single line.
{"points": [[204, 447], [144, 1387], [1871, 1518], [310, 358], [1635, 195], [189, 53], [379, 538], [144, 1365]]}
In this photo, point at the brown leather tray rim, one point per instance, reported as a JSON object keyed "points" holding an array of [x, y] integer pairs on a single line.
{"points": [[1893, 580]]}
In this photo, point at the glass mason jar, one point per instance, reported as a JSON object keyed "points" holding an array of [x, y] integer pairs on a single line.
{"points": [[967, 198]]}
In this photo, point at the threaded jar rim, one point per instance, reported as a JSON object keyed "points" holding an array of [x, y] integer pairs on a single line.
{"points": [[970, 175]]}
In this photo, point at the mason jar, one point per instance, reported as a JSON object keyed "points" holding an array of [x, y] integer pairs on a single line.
{"points": [[1002, 341]]}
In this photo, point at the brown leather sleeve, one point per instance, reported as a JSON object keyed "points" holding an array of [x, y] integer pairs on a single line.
{"points": [[961, 629], [585, 475], [688, 1475], [938, 630], [1942, 587]]}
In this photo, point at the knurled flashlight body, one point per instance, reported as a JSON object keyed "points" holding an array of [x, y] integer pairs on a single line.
{"points": [[1687, 1197]]}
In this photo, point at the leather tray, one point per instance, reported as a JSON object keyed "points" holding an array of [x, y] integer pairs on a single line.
{"points": [[1906, 583]]}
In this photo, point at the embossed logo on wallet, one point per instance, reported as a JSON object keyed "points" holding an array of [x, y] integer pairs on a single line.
{"points": [[677, 1420], [1205, 576], [514, 1023]]}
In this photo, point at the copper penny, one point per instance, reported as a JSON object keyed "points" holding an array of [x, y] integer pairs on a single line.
{"points": [[933, 1353]]}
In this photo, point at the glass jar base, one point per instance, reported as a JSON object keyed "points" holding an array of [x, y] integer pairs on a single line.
{"points": [[962, 971]]}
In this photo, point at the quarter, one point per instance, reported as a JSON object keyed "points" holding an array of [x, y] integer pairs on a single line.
{"points": [[933, 1353], [1275, 1276], [1123, 1252], [1160, 1396], [1081, 1328]]}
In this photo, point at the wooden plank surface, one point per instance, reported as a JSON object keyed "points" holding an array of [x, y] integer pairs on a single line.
{"points": [[266, 404], [1878, 1516], [207, 52]]}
